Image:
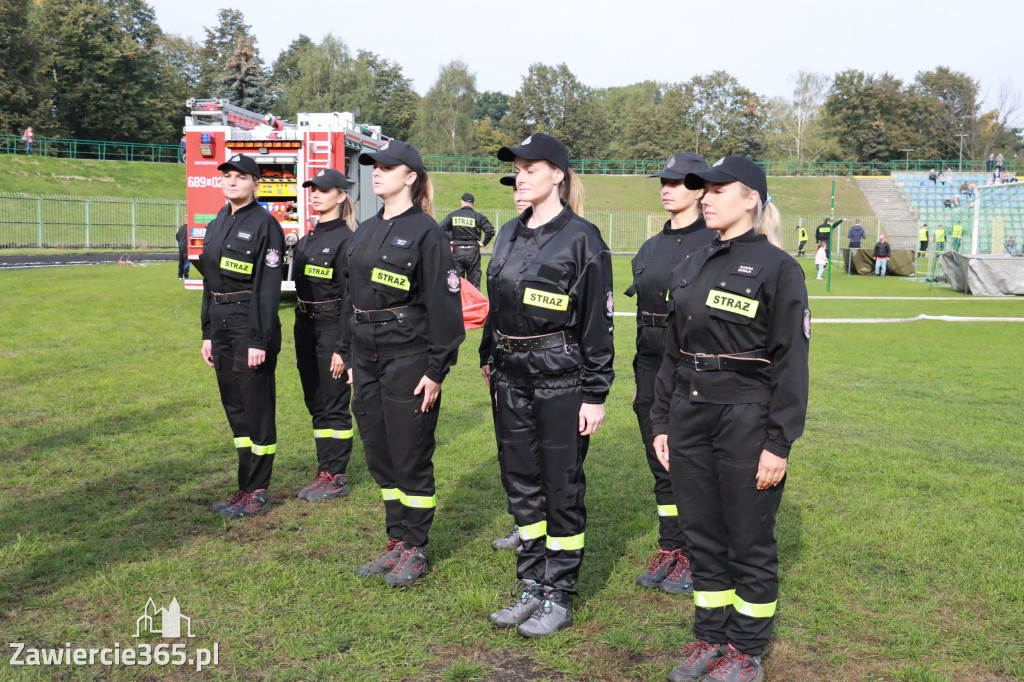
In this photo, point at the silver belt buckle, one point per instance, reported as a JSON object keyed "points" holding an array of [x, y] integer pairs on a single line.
{"points": [[698, 365]]}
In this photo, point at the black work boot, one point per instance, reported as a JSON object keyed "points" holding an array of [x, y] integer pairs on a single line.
{"points": [[317, 483], [385, 562], [658, 569], [510, 541], [553, 615], [700, 659], [333, 486], [523, 607], [736, 666], [679, 579], [411, 566], [250, 504], [221, 506]]}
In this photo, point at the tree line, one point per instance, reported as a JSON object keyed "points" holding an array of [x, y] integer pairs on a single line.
{"points": [[103, 69]]}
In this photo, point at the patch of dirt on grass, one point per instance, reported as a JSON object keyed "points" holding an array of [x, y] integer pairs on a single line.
{"points": [[81, 177], [783, 661]]}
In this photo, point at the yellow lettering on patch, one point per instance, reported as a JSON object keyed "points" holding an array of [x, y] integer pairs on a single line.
{"points": [[732, 303], [544, 299], [390, 279], [235, 266], [323, 273], [459, 221]]}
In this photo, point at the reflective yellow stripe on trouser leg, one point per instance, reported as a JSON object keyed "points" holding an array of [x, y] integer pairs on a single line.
{"points": [[573, 542], [264, 449], [754, 610], [713, 600], [390, 494], [417, 502], [331, 433], [533, 531], [243, 442]]}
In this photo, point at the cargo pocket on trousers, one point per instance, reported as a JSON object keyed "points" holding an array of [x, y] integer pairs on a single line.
{"points": [[405, 423]]}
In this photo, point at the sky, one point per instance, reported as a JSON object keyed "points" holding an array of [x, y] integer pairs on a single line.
{"points": [[763, 44]]}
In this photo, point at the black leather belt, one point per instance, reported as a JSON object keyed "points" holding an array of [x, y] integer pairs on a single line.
{"points": [[653, 319], [232, 297], [522, 344], [312, 308], [390, 313], [702, 362]]}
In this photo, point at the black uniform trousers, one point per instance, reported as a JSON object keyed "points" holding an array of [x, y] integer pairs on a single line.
{"points": [[800, 247], [183, 264], [670, 536], [398, 440], [541, 455], [729, 523], [248, 395], [467, 259], [327, 398]]}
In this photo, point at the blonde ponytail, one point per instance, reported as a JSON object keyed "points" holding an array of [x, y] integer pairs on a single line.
{"points": [[423, 192], [767, 220], [570, 190], [348, 212]]}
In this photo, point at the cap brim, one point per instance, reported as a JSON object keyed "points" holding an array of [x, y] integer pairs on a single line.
{"points": [[370, 158], [669, 175], [227, 165], [311, 183], [697, 179], [512, 153], [508, 180]]}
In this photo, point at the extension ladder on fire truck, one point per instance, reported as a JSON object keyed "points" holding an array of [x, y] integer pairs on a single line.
{"points": [[226, 112]]}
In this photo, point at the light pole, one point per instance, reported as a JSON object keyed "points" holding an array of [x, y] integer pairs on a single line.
{"points": [[961, 136], [908, 150]]}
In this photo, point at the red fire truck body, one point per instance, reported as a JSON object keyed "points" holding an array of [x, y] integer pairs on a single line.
{"points": [[288, 154]]}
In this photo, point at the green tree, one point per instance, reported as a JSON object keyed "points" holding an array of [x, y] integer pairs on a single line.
{"points": [[390, 101], [21, 87], [445, 123], [286, 66], [491, 104], [620, 105], [106, 71], [220, 44], [660, 127], [244, 82], [750, 138], [950, 106], [181, 71], [552, 100], [857, 100], [717, 117], [326, 80]]}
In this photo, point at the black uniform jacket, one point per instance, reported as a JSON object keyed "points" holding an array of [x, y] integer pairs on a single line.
{"points": [[549, 279], [465, 225], [244, 251], [404, 261], [731, 297], [652, 267], [320, 259]]}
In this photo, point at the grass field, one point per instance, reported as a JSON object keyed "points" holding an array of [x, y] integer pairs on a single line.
{"points": [[901, 534], [45, 175]]}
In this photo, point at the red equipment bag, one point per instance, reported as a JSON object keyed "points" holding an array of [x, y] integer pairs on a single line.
{"points": [[474, 306]]}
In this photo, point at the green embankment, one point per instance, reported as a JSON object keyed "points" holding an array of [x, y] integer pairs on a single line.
{"points": [[45, 175]]}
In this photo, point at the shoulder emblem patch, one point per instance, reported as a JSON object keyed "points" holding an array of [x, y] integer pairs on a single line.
{"points": [[273, 258], [609, 304], [454, 283], [807, 323]]}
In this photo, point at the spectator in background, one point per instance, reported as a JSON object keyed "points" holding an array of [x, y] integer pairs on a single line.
{"points": [[942, 178], [964, 187], [990, 162], [821, 259], [956, 201], [947, 203], [1011, 245], [801, 235], [27, 137], [182, 238], [856, 234], [971, 188], [999, 162], [933, 175], [182, 148], [882, 253]]}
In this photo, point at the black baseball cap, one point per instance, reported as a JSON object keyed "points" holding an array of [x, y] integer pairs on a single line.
{"points": [[678, 165], [328, 178], [242, 164], [539, 146], [508, 180], [731, 169], [467, 197], [395, 153]]}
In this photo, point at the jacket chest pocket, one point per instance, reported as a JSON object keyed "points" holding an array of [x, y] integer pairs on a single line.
{"points": [[543, 293], [319, 265], [734, 298], [392, 274], [237, 259]]}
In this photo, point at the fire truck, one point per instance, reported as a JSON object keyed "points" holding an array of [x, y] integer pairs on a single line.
{"points": [[288, 155]]}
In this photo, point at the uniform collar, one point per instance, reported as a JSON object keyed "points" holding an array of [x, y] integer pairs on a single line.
{"points": [[329, 224], [696, 226], [252, 205], [413, 210], [545, 232], [746, 238]]}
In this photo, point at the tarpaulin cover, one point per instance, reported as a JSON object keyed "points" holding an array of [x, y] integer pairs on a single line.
{"points": [[862, 262], [474, 306], [984, 274]]}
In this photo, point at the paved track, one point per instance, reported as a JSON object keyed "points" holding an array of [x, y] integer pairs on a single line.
{"points": [[12, 262]]}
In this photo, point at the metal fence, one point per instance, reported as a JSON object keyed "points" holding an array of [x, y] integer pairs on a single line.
{"points": [[92, 149], [28, 221]]}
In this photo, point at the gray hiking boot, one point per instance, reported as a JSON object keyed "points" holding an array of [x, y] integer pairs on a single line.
{"points": [[679, 579], [221, 506], [523, 607], [658, 569], [317, 483], [737, 666], [333, 486], [411, 566], [385, 562], [250, 504], [701, 658], [553, 615], [510, 541]]}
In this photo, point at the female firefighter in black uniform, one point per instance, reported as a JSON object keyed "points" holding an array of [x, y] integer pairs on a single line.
{"points": [[241, 266], [730, 400], [547, 345], [319, 262], [669, 569], [402, 339]]}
